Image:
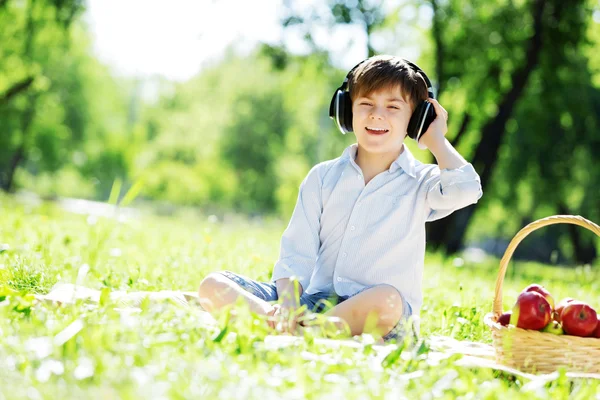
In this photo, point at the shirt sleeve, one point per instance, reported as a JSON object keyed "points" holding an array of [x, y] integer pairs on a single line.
{"points": [[300, 241], [449, 190]]}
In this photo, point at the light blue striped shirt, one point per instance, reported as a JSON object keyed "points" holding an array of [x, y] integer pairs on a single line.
{"points": [[344, 235]]}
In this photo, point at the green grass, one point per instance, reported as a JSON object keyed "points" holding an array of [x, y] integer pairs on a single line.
{"points": [[164, 351]]}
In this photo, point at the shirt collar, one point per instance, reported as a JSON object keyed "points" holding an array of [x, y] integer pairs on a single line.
{"points": [[406, 160]]}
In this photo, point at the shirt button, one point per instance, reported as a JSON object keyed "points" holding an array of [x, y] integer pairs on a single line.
{"points": [[352, 228], [358, 176], [344, 255], [339, 279]]}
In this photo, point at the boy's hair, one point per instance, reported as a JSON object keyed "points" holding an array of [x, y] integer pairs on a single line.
{"points": [[382, 72]]}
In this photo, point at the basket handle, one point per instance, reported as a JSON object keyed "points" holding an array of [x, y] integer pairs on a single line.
{"points": [[555, 219]]}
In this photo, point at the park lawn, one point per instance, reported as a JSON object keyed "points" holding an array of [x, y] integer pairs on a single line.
{"points": [[166, 351]]}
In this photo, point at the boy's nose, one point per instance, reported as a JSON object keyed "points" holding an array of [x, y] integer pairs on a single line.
{"points": [[376, 113]]}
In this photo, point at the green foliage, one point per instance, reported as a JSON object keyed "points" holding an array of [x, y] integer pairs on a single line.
{"points": [[67, 181], [207, 183], [35, 48], [543, 163], [247, 132], [53, 127], [251, 145]]}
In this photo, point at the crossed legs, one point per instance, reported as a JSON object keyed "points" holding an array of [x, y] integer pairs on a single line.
{"points": [[377, 309]]}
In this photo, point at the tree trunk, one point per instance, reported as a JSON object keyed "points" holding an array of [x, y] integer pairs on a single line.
{"points": [[448, 233], [28, 114], [583, 253], [463, 128], [19, 155], [16, 159]]}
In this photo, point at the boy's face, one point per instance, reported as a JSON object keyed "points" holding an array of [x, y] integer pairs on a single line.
{"points": [[380, 120]]}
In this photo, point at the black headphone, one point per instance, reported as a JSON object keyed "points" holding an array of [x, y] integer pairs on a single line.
{"points": [[340, 109]]}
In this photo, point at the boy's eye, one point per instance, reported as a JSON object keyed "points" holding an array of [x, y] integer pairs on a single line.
{"points": [[395, 107], [365, 104]]}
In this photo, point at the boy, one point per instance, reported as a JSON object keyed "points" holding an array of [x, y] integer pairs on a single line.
{"points": [[357, 234]]}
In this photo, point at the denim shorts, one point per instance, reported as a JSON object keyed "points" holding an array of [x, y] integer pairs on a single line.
{"points": [[319, 302]]}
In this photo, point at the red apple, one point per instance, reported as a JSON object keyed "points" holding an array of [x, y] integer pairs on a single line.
{"points": [[531, 311], [596, 333], [560, 307], [579, 319], [534, 287], [504, 319], [554, 327]]}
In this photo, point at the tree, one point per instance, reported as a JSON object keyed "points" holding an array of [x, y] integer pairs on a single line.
{"points": [[26, 29], [557, 30]]}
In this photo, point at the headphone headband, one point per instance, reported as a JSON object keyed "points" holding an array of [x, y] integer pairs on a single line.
{"points": [[412, 65]]}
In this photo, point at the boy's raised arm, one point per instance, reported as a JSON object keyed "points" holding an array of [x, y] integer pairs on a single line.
{"points": [[300, 240], [457, 185]]}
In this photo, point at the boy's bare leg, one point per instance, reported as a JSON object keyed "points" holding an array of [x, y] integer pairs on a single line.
{"points": [[381, 303], [217, 291]]}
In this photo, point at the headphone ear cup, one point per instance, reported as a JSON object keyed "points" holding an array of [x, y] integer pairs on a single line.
{"points": [[415, 121], [420, 120], [340, 110], [429, 117], [333, 105], [347, 113]]}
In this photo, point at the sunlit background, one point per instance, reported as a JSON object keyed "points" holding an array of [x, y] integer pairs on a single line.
{"points": [[222, 104], [145, 38]]}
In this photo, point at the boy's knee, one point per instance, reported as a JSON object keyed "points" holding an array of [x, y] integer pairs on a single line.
{"points": [[210, 283], [391, 304], [209, 288]]}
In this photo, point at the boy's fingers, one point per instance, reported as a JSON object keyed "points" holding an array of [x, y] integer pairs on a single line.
{"points": [[272, 319], [284, 320], [439, 110]]}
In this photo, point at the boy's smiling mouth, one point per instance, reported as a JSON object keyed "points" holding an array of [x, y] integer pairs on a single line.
{"points": [[376, 131]]}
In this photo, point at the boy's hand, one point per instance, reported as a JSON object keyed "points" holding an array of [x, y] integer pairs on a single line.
{"points": [[284, 317], [436, 132], [288, 292], [271, 316]]}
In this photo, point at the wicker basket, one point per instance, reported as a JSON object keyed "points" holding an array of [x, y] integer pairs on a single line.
{"points": [[534, 351]]}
